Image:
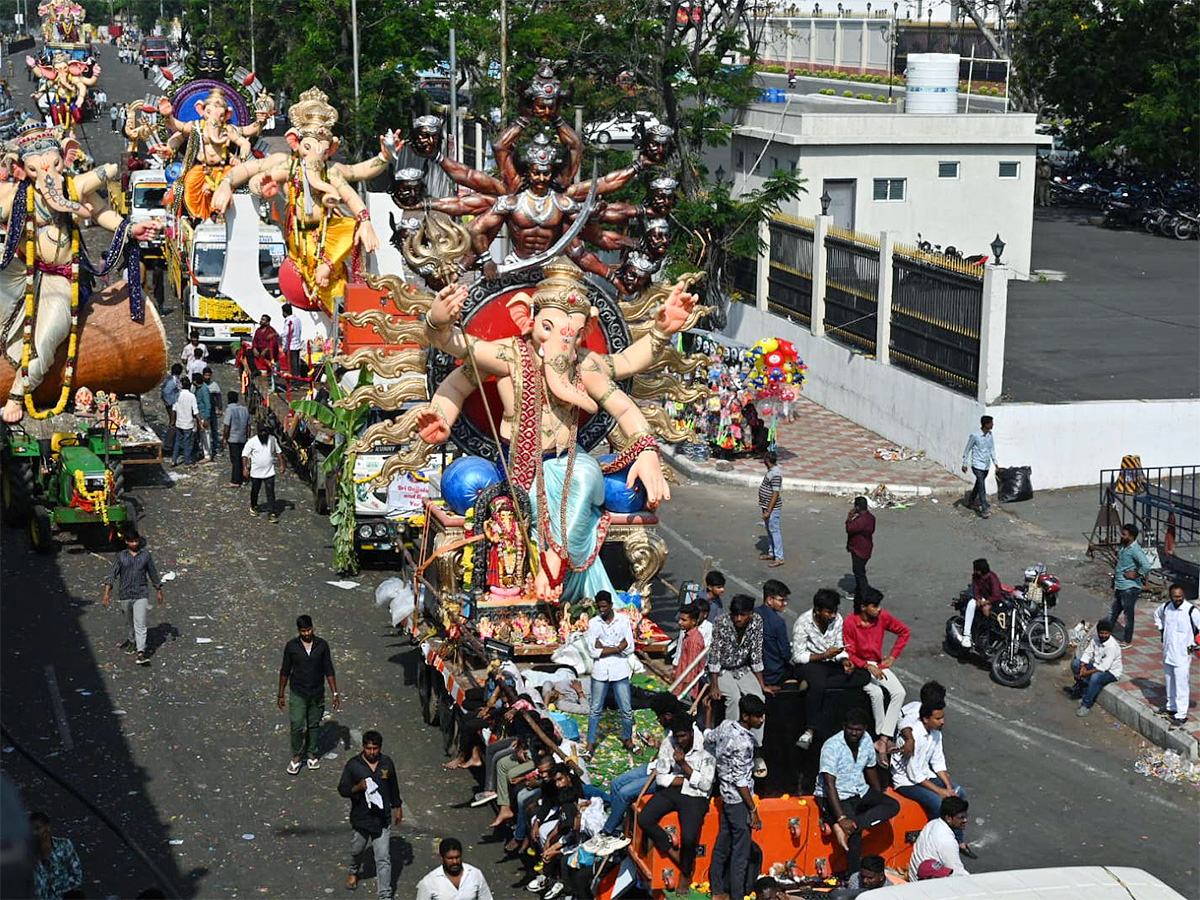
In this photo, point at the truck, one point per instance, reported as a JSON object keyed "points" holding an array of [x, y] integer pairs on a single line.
{"points": [[140, 197], [156, 50], [196, 257]]}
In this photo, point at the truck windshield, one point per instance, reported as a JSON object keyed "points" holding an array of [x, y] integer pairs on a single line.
{"points": [[270, 258], [208, 261], [149, 197]]}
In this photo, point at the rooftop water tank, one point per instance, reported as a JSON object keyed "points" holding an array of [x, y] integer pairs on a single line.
{"points": [[931, 84]]}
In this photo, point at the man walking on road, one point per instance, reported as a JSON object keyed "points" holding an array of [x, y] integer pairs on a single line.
{"points": [[453, 879], [1178, 621], [184, 419], [369, 782], [169, 393], [306, 660], [610, 640], [860, 541], [236, 423], [292, 337], [733, 746], [258, 464], [980, 455], [770, 502], [132, 568], [1128, 578]]}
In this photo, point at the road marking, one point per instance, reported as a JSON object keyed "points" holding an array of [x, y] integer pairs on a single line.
{"points": [[700, 554], [60, 711]]}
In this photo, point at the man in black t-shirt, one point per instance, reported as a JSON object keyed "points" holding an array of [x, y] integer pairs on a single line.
{"points": [[369, 781], [306, 661]]}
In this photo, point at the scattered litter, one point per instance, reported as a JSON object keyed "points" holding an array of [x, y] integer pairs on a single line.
{"points": [[168, 576], [812, 509], [1167, 765], [197, 617], [82, 693], [204, 640], [118, 712], [897, 454], [331, 755], [247, 836], [178, 476], [262, 559], [935, 499], [9, 749], [344, 585], [175, 843]]}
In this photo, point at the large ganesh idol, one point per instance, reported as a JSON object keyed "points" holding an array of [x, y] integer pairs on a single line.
{"points": [[45, 282], [326, 223], [63, 87], [548, 380]]}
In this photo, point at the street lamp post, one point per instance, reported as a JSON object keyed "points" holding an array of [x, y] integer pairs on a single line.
{"points": [[929, 33], [892, 54]]}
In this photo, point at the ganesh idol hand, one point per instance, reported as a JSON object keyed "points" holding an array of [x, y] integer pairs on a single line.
{"points": [[446, 307], [164, 107], [221, 197], [432, 426], [143, 231], [676, 309], [648, 469], [366, 237]]}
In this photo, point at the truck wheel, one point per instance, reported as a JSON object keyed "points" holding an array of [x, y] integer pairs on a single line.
{"points": [[117, 467], [39, 530], [130, 514], [17, 489]]}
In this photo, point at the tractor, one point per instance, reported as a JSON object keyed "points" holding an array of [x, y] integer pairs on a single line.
{"points": [[73, 482]]}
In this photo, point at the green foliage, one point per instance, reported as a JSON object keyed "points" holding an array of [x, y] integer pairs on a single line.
{"points": [[1123, 71], [347, 423]]}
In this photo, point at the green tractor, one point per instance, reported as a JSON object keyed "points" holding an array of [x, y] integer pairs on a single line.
{"points": [[75, 482]]}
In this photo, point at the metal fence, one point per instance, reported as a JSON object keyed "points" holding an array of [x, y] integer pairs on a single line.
{"points": [[851, 288], [742, 277], [791, 268], [937, 304], [1164, 502]]}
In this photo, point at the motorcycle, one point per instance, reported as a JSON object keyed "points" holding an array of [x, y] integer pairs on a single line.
{"points": [[999, 640], [1046, 634]]}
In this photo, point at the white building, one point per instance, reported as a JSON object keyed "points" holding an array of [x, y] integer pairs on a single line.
{"points": [[956, 179]]}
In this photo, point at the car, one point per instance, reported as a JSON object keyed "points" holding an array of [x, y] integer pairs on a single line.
{"points": [[621, 128]]}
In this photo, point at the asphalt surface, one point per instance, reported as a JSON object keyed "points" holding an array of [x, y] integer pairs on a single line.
{"points": [[188, 755]]}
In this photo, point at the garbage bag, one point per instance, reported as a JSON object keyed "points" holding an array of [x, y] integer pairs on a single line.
{"points": [[1015, 484], [397, 595], [388, 589]]}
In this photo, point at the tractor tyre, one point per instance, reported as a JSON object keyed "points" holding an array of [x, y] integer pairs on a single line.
{"points": [[17, 489], [39, 530], [117, 467]]}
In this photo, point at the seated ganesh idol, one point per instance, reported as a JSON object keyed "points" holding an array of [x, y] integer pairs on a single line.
{"points": [[547, 379]]}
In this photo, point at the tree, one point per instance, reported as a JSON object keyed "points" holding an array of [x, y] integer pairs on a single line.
{"points": [[1120, 74]]}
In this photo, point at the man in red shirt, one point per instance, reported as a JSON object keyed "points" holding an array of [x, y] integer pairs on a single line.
{"points": [[265, 348], [862, 634], [690, 663], [860, 541], [985, 590]]}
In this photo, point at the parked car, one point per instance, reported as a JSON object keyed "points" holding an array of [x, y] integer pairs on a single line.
{"points": [[619, 129]]}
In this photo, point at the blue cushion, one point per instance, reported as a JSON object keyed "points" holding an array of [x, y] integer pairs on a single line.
{"points": [[617, 497], [464, 478]]}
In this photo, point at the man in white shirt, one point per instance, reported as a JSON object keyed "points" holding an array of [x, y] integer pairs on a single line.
{"points": [[195, 365], [291, 335], [1178, 621], [1099, 664], [936, 841], [189, 349], [821, 659], [922, 775], [184, 417], [258, 464], [610, 641], [453, 879], [684, 772]]}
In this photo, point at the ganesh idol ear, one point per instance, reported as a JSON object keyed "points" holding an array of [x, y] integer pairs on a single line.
{"points": [[71, 151], [519, 309], [334, 143], [592, 318], [292, 136], [199, 105]]}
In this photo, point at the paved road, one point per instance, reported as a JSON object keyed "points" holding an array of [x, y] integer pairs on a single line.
{"points": [[1124, 324], [188, 754]]}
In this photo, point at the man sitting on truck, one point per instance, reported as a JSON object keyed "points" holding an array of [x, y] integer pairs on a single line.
{"points": [[264, 349]]}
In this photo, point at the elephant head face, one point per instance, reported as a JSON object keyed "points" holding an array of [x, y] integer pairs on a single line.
{"points": [[43, 161], [313, 150], [214, 108], [557, 319]]}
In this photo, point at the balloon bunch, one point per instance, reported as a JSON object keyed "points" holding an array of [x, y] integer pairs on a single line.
{"points": [[778, 370]]}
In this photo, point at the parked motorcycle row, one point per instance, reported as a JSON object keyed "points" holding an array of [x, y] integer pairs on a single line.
{"points": [[950, 251], [1167, 205], [1018, 630]]}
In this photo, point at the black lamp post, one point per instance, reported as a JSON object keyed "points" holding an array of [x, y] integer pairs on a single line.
{"points": [[826, 200], [719, 174], [929, 33], [997, 249], [892, 55]]}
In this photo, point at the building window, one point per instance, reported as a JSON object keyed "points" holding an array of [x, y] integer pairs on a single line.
{"points": [[741, 164], [774, 164], [891, 189], [793, 164], [947, 170], [1010, 170]]}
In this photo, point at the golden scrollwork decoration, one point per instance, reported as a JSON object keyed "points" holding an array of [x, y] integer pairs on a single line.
{"points": [[385, 362], [388, 327], [646, 553], [408, 298], [385, 396]]}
